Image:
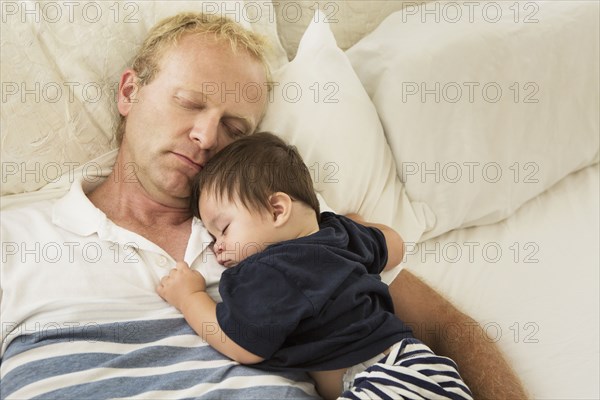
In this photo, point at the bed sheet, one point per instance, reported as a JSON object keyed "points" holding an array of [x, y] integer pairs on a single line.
{"points": [[532, 281]]}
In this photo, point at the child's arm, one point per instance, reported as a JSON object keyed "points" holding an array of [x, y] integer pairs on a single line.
{"points": [[393, 240], [185, 289]]}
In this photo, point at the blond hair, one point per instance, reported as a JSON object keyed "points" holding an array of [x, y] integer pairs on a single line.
{"points": [[166, 33]]}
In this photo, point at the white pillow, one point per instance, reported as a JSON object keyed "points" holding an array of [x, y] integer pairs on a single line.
{"points": [[60, 67], [320, 106], [475, 157]]}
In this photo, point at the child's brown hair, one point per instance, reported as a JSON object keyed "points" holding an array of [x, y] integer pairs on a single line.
{"points": [[252, 168]]}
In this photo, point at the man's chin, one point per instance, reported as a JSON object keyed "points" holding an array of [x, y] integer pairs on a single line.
{"points": [[167, 194]]}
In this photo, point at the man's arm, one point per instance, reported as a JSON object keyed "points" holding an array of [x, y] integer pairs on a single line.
{"points": [[480, 362]]}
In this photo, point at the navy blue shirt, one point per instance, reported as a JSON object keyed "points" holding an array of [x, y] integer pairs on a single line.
{"points": [[313, 303]]}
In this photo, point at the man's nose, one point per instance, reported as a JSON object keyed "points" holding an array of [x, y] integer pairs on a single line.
{"points": [[205, 132]]}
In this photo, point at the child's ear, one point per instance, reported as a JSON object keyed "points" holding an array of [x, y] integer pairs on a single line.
{"points": [[281, 207]]}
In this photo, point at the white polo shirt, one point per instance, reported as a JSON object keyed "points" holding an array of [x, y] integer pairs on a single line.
{"points": [[65, 264]]}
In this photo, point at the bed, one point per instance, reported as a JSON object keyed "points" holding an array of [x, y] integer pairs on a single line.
{"points": [[472, 128]]}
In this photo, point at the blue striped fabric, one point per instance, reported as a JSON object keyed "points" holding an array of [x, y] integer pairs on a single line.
{"points": [[135, 359], [410, 371]]}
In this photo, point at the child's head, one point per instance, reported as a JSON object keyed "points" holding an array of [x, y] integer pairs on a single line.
{"points": [[254, 192]]}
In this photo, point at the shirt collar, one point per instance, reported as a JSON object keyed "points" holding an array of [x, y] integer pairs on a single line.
{"points": [[200, 239], [75, 213]]}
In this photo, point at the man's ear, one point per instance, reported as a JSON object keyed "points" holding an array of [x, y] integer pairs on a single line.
{"points": [[281, 208], [128, 88]]}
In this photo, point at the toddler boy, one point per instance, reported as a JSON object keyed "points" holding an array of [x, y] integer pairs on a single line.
{"points": [[301, 289]]}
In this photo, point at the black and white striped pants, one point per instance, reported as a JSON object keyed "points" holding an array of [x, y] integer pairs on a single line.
{"points": [[410, 371]]}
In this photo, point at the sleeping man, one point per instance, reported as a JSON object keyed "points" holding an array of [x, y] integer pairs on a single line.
{"points": [[169, 131]]}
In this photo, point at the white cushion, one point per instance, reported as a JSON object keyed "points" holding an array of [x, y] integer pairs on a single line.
{"points": [[531, 118], [320, 106]]}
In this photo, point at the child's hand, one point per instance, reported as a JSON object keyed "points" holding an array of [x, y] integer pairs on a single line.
{"points": [[181, 283]]}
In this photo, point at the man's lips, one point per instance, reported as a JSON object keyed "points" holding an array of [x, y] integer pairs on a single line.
{"points": [[189, 161]]}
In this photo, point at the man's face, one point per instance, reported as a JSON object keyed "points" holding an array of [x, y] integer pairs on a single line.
{"points": [[203, 96]]}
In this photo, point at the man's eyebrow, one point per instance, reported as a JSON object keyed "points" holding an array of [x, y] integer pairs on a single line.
{"points": [[197, 94]]}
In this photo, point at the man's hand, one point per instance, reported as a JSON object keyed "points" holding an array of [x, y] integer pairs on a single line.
{"points": [[181, 283], [356, 218], [394, 242]]}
